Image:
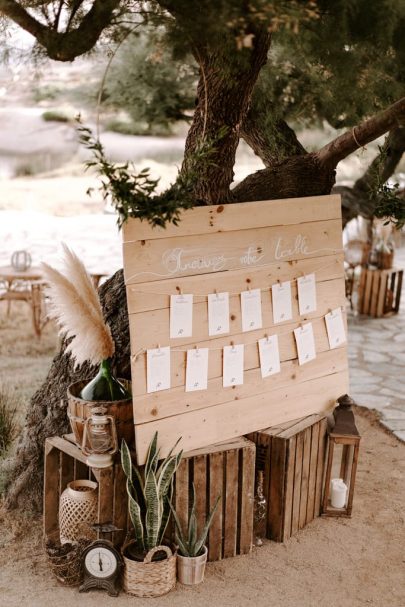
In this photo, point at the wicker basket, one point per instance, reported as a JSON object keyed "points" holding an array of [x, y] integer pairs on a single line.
{"points": [[77, 511], [79, 410], [65, 560], [147, 578]]}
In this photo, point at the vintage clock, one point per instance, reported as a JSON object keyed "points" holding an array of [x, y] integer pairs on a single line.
{"points": [[102, 565]]}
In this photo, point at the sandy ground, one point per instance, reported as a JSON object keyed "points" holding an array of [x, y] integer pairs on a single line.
{"points": [[331, 563]]}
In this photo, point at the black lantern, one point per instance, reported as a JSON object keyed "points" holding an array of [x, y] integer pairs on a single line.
{"points": [[343, 453]]}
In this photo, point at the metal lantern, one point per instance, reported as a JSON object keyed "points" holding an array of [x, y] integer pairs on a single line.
{"points": [[99, 438], [343, 452], [21, 261]]}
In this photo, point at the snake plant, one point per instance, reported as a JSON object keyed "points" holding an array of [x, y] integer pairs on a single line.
{"points": [[187, 540], [149, 493]]}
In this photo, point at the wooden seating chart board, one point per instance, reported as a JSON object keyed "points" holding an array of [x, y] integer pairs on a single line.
{"points": [[232, 248]]}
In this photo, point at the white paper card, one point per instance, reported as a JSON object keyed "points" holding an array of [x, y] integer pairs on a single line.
{"points": [[181, 316], [158, 369], [251, 307], [233, 366], [218, 313], [197, 369], [335, 328], [281, 296], [304, 336], [307, 294], [269, 355]]}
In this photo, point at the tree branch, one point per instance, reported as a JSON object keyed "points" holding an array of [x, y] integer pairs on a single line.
{"points": [[270, 140], [332, 153], [64, 46]]}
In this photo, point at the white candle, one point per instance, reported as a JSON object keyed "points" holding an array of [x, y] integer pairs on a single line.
{"points": [[338, 493]]}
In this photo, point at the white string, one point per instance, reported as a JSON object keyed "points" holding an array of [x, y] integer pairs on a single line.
{"points": [[135, 289], [249, 343]]}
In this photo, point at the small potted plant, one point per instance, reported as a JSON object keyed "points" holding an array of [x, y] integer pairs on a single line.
{"points": [[150, 563], [192, 551]]}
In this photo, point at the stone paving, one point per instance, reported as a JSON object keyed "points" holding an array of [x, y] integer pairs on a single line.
{"points": [[377, 363]]}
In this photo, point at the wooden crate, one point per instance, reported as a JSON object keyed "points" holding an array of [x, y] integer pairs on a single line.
{"points": [[231, 248], [64, 462], [292, 456], [227, 469], [380, 292]]}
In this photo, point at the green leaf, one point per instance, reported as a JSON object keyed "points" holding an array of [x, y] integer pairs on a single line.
{"points": [[165, 518], [126, 461], [192, 524], [182, 546], [151, 454], [153, 511], [178, 525], [136, 519], [166, 473], [201, 541]]}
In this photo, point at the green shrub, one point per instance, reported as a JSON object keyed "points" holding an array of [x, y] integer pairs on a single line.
{"points": [[55, 116], [8, 419]]}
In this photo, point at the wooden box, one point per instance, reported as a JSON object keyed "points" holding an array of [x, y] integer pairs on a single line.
{"points": [[231, 248], [292, 458], [380, 292], [64, 462], [226, 469]]}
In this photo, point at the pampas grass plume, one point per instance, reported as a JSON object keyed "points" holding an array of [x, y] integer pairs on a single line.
{"points": [[76, 307]]}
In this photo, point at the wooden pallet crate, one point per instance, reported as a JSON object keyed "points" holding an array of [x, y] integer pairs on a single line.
{"points": [[380, 292], [227, 469], [292, 457], [64, 462]]}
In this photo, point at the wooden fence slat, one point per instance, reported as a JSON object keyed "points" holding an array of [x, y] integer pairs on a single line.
{"points": [[277, 487], [247, 487], [312, 473], [230, 500], [120, 504], [200, 484], [182, 493], [320, 465], [289, 488], [297, 484], [216, 487], [306, 452], [67, 472]]}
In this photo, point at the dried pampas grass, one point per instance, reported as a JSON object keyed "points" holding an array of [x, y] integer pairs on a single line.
{"points": [[76, 307]]}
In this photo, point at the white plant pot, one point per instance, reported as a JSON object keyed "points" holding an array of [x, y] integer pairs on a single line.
{"points": [[190, 570]]}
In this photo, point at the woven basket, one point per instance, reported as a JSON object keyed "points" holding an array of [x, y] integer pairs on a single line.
{"points": [[79, 410], [77, 511], [147, 578], [65, 560]]}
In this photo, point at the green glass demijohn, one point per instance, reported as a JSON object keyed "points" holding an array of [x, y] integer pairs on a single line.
{"points": [[104, 386]]}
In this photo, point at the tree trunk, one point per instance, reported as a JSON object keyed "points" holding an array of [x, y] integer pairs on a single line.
{"points": [[47, 412]]}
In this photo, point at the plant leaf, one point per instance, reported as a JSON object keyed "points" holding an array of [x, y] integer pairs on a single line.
{"points": [[136, 519], [178, 526], [153, 511], [126, 461], [166, 475], [151, 454], [201, 541]]}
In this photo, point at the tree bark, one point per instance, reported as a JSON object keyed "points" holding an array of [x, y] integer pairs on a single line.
{"points": [[47, 412]]}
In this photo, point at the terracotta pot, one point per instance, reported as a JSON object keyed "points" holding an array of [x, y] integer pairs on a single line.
{"points": [[191, 569]]}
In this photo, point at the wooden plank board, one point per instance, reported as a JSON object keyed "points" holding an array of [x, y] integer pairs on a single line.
{"points": [[120, 503], [148, 296], [306, 452], [216, 482], [321, 465], [198, 428], [277, 486], [289, 488], [246, 498], [297, 484], [230, 503], [374, 293], [150, 260], [225, 218], [232, 247], [200, 484], [51, 486], [67, 471], [312, 473], [182, 493], [287, 349], [152, 328]]}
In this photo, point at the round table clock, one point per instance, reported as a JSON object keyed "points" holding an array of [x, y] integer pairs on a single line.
{"points": [[102, 565]]}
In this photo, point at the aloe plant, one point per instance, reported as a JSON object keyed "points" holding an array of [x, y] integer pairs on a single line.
{"points": [[149, 493], [188, 541]]}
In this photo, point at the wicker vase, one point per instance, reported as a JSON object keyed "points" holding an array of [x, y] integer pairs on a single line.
{"points": [[77, 511], [147, 578]]}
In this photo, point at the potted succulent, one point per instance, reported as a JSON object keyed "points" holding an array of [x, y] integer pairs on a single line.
{"points": [[150, 563], [192, 551]]}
